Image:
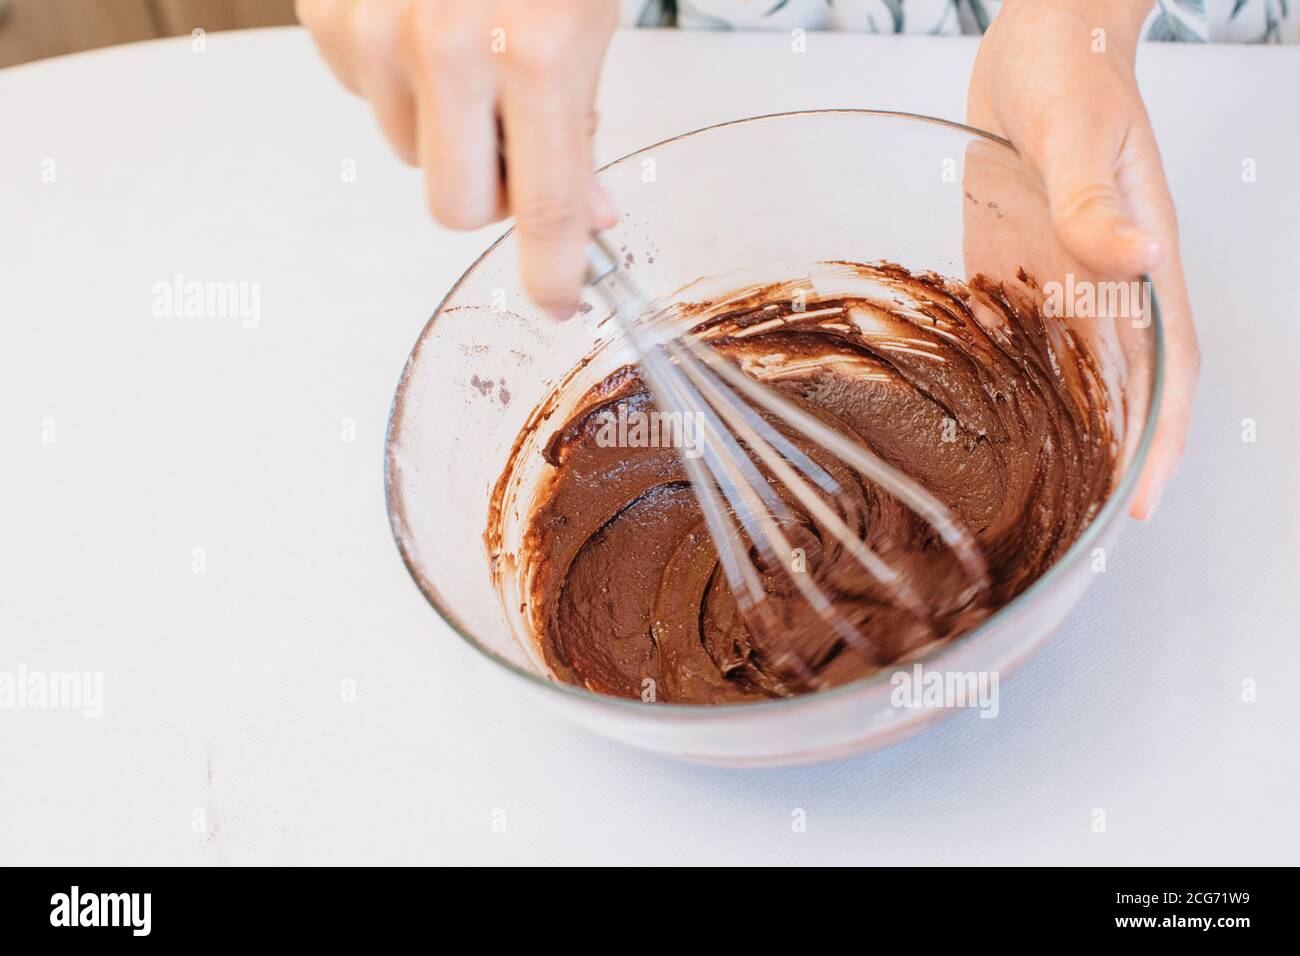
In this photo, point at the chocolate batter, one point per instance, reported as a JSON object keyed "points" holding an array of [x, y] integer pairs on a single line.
{"points": [[961, 387]]}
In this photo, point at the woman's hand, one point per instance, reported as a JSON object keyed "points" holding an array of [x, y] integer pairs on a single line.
{"points": [[449, 79], [1067, 99]]}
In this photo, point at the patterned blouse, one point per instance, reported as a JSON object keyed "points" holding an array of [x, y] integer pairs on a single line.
{"points": [[1189, 21]]}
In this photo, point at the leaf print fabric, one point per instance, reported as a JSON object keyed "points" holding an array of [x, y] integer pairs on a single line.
{"points": [[1178, 21]]}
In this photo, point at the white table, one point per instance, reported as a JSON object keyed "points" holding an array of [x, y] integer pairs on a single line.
{"points": [[222, 689]]}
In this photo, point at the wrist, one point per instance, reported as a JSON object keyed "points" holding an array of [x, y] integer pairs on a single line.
{"points": [[1126, 16], [1121, 19]]}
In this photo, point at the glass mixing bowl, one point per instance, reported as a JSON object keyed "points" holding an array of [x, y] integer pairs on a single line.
{"points": [[766, 198]]}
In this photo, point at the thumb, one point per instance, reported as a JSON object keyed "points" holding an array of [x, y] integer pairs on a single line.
{"points": [[1080, 162]]}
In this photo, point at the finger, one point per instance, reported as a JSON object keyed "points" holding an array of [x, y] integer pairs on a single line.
{"points": [[328, 22], [375, 28], [1182, 368], [600, 208], [456, 127], [601, 211], [1081, 155], [1143, 180], [549, 177]]}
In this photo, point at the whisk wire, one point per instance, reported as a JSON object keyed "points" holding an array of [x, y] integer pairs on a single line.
{"points": [[688, 378]]}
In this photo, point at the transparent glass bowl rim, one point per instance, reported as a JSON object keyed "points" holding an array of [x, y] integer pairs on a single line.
{"points": [[1101, 521]]}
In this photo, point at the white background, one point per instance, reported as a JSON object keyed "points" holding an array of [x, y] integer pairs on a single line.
{"points": [[222, 689]]}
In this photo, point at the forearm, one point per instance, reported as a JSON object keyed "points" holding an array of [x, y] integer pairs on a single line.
{"points": [[1121, 19]]}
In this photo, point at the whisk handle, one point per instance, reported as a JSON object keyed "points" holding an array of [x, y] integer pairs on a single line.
{"points": [[602, 260]]}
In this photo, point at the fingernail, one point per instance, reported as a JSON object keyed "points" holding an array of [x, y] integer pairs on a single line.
{"points": [[1148, 248], [1152, 504], [562, 313], [1155, 503], [602, 207]]}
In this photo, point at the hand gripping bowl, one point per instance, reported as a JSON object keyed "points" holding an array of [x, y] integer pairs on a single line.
{"points": [[760, 199]]}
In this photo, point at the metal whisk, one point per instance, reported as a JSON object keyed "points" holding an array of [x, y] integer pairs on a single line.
{"points": [[686, 376]]}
